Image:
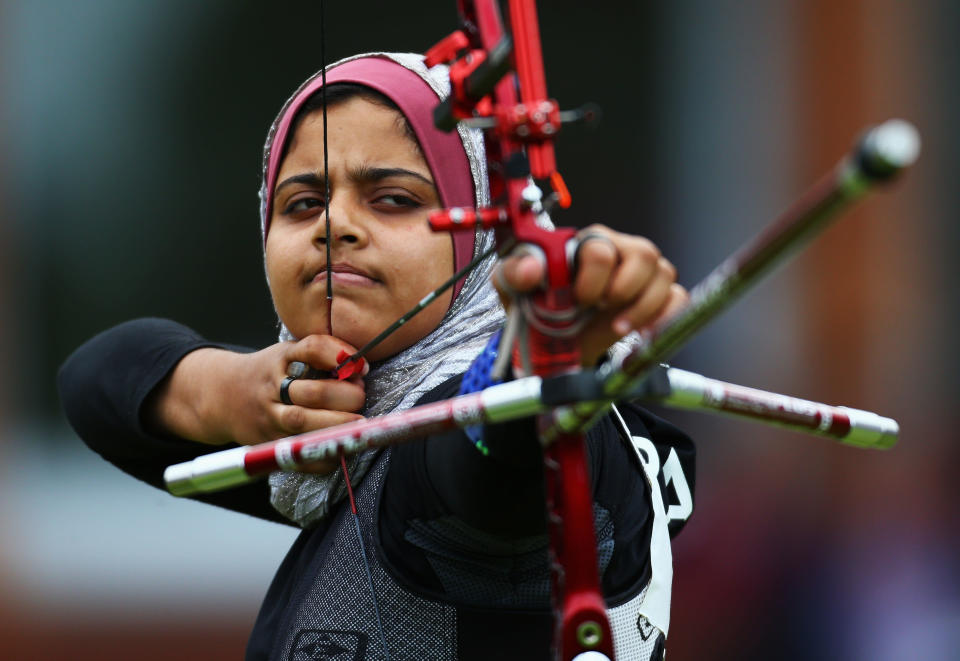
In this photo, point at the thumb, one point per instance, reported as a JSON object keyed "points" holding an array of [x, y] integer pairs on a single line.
{"points": [[518, 274]]}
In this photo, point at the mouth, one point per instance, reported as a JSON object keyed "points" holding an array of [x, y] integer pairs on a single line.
{"points": [[345, 274]]}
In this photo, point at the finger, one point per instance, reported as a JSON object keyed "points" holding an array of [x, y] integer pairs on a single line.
{"points": [[597, 258], [357, 379], [518, 274], [678, 299], [292, 420], [651, 301], [639, 262], [327, 394], [318, 351]]}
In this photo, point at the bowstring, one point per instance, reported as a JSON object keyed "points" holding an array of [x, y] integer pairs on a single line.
{"points": [[363, 552], [329, 242], [326, 172]]}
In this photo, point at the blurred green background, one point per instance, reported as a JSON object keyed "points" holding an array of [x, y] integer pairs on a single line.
{"points": [[130, 146]]}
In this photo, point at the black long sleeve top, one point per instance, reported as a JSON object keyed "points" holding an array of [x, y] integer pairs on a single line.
{"points": [[105, 384]]}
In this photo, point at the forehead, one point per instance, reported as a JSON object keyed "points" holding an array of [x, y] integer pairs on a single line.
{"points": [[358, 130]]}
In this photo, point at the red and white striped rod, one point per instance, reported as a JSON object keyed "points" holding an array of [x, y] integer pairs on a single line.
{"points": [[688, 390], [880, 155], [518, 399], [237, 466]]}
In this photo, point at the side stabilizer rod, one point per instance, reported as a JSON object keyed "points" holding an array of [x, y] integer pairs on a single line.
{"points": [[678, 388], [519, 399]]}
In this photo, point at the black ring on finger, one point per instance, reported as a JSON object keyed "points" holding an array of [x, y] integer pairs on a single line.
{"points": [[285, 390], [597, 236], [582, 239]]}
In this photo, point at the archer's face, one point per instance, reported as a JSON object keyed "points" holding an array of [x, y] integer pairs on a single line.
{"points": [[385, 257]]}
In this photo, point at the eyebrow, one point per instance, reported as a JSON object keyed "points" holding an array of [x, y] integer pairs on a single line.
{"points": [[362, 174], [310, 178]]}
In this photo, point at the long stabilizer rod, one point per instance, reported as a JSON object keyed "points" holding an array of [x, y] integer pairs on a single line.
{"points": [[882, 153]]}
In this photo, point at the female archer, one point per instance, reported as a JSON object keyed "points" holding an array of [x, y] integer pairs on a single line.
{"points": [[446, 557]]}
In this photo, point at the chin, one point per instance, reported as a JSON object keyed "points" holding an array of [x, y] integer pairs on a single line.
{"points": [[389, 347], [384, 351]]}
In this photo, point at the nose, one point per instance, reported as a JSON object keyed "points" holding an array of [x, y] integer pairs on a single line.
{"points": [[346, 224]]}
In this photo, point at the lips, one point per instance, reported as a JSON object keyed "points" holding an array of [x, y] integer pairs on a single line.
{"points": [[345, 274]]}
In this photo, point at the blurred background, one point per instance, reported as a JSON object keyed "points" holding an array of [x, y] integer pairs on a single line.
{"points": [[130, 144]]}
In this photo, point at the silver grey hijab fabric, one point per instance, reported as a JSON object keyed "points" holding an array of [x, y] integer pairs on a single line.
{"points": [[398, 382]]}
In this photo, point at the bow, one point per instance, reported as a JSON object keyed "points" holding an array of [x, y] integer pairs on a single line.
{"points": [[525, 122], [497, 83]]}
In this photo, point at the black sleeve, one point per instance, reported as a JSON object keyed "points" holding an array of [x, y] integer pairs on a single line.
{"points": [[103, 387]]}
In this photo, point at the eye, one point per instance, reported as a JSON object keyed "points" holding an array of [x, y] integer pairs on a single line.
{"points": [[303, 205], [398, 201]]}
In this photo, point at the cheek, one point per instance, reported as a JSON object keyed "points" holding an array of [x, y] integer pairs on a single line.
{"points": [[434, 254], [433, 266], [277, 265], [419, 262], [415, 256], [271, 261]]}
